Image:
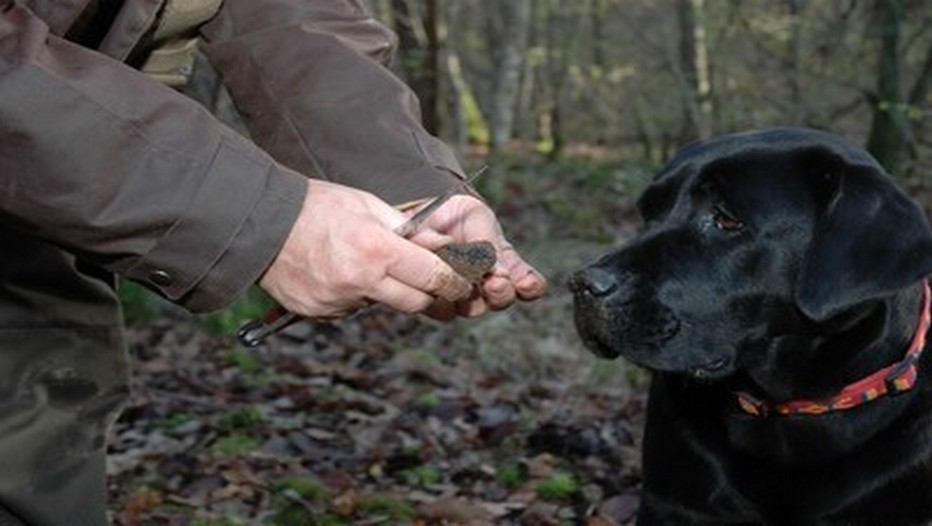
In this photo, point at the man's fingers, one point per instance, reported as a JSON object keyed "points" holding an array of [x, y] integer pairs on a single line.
{"points": [[430, 239], [472, 307], [425, 271], [498, 290], [528, 283], [401, 296]]}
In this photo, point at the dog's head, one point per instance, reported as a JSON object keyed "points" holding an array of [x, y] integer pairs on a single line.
{"points": [[746, 237]]}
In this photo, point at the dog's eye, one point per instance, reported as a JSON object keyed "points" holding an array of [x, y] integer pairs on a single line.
{"points": [[725, 220]]}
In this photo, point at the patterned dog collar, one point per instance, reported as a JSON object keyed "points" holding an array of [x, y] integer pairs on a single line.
{"points": [[893, 379]]}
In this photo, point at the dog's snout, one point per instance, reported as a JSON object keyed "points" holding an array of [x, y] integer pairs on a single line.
{"points": [[595, 281]]}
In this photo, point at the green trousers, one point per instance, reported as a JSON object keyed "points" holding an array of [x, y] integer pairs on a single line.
{"points": [[63, 380]]}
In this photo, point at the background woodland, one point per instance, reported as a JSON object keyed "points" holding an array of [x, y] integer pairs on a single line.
{"points": [[647, 76]]}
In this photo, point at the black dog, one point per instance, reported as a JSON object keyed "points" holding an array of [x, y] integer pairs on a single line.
{"points": [[778, 294]]}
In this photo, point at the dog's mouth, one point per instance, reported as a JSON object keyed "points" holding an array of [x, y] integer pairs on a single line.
{"points": [[652, 346], [610, 338], [657, 359], [596, 347], [716, 369]]}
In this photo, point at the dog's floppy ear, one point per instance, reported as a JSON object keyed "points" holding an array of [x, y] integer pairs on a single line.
{"points": [[869, 241]]}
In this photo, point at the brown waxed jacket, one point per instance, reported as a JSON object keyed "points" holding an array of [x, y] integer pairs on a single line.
{"points": [[136, 178]]}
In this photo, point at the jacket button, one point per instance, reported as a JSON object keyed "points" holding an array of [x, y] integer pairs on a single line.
{"points": [[160, 278]]}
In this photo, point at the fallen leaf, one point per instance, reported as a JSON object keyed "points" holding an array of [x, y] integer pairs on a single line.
{"points": [[455, 510]]}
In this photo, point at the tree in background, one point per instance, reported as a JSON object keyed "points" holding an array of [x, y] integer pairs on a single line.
{"points": [[420, 41], [507, 35], [642, 77], [693, 71], [889, 134], [893, 138]]}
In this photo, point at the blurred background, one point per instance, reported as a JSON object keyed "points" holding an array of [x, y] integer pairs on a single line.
{"points": [[646, 77]]}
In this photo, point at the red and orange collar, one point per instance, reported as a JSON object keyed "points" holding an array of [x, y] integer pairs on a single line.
{"points": [[892, 379]]}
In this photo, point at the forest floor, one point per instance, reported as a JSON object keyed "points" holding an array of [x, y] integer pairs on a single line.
{"points": [[391, 419]]}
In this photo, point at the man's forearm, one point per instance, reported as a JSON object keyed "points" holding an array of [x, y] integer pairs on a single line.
{"points": [[310, 80]]}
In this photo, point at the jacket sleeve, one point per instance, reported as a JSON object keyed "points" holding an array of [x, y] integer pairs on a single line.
{"points": [[131, 175], [310, 80]]}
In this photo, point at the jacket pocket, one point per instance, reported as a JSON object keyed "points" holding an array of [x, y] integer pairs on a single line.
{"points": [[60, 391]]}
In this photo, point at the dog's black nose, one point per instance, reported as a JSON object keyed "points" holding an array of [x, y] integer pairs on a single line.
{"points": [[594, 281]]}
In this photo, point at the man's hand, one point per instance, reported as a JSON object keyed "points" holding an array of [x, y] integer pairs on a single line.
{"points": [[464, 219], [342, 255]]}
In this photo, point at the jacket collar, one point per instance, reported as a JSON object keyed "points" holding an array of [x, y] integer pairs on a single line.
{"points": [[891, 380]]}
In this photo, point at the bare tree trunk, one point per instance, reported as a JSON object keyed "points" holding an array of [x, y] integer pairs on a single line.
{"points": [[642, 128], [435, 31], [564, 28], [794, 61], [457, 131], [458, 127], [694, 67], [920, 90], [419, 41], [465, 121], [509, 21], [917, 97], [889, 134]]}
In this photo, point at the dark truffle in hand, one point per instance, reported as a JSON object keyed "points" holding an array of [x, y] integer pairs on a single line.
{"points": [[470, 260]]}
